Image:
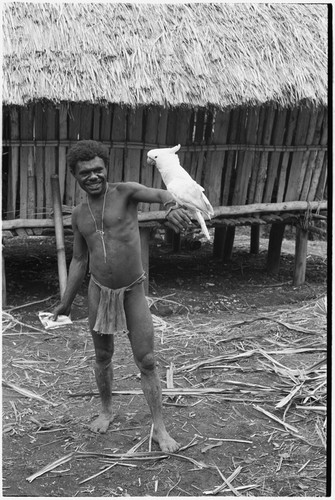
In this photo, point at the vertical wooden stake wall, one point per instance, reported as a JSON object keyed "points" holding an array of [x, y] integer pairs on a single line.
{"points": [[59, 232]]}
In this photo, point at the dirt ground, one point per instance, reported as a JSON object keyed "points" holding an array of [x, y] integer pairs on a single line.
{"points": [[245, 355]]}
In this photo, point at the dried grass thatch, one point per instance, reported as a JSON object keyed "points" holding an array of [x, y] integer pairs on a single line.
{"points": [[195, 54]]}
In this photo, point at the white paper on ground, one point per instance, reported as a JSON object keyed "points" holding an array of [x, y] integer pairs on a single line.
{"points": [[49, 323]]}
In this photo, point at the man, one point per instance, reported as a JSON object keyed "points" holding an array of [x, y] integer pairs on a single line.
{"points": [[105, 229]]}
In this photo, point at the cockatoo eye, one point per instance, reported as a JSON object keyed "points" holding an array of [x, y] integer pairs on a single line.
{"points": [[155, 157]]}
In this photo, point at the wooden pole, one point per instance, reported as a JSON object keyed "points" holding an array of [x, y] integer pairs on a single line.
{"points": [[13, 173], [4, 288], [274, 249], [219, 242], [301, 241], [254, 239], [229, 243], [59, 232]]}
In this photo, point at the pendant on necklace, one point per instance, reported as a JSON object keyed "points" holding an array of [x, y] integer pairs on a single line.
{"points": [[100, 231]]}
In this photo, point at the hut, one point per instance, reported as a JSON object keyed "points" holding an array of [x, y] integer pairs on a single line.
{"points": [[242, 87]]}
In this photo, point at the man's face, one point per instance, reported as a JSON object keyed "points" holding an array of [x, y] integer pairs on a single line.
{"points": [[92, 176]]}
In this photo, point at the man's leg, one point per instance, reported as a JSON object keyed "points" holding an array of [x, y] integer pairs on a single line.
{"points": [[104, 349], [141, 336]]}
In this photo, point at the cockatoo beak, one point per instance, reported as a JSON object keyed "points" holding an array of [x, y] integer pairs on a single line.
{"points": [[150, 161]]}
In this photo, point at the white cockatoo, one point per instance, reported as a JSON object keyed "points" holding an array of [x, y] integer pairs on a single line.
{"points": [[185, 190]]}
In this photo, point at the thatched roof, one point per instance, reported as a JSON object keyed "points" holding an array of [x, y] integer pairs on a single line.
{"points": [[196, 54]]}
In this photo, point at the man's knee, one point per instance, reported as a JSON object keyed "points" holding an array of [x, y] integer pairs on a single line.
{"points": [[147, 363], [103, 357]]}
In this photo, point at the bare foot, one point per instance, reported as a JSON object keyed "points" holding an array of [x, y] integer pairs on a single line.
{"points": [[165, 441], [101, 423]]}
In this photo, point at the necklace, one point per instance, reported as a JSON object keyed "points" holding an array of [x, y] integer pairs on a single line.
{"points": [[100, 231]]}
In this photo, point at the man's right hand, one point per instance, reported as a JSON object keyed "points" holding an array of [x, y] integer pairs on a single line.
{"points": [[61, 309]]}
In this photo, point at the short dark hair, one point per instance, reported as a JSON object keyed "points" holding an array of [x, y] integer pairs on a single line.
{"points": [[86, 151]]}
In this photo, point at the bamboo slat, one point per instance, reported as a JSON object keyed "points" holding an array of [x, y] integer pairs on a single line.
{"points": [[230, 157], [309, 158], [257, 156], [171, 127], [133, 157], [215, 160], [26, 163], [151, 120], [182, 133], [232, 163], [198, 160], [162, 127], [320, 192], [106, 120], [291, 126], [51, 153], [319, 161], [31, 210], [161, 139], [82, 123], [40, 132], [132, 160], [308, 164], [86, 122], [322, 114], [184, 136], [63, 171], [200, 118], [96, 123], [73, 135], [51, 160], [313, 155], [249, 165], [118, 133], [239, 163], [85, 132], [249, 158], [295, 175], [246, 165], [263, 168], [278, 139], [13, 164]]}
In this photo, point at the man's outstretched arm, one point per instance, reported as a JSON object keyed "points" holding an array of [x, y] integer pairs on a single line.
{"points": [[176, 216]]}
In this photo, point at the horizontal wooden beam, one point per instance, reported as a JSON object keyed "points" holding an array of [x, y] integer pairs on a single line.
{"points": [[256, 208], [192, 148], [146, 218]]}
